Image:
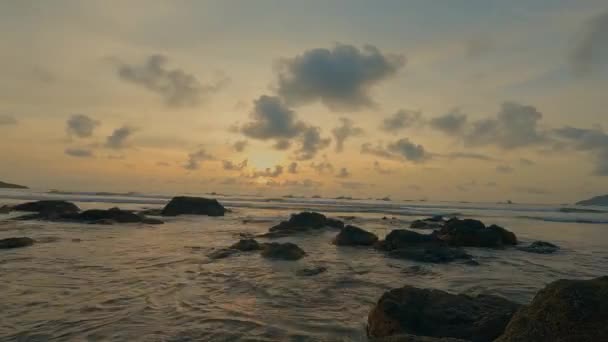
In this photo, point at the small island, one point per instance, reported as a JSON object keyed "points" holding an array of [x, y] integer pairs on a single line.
{"points": [[4, 185], [597, 200]]}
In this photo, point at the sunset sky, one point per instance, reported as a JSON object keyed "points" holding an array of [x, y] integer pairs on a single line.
{"points": [[472, 100]]}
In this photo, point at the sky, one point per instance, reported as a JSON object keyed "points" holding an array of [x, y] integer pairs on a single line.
{"points": [[461, 100]]}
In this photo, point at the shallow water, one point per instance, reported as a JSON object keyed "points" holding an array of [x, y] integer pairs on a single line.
{"points": [[155, 283]]}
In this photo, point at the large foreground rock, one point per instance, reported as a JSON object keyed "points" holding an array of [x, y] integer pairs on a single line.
{"points": [[48, 208], [435, 313], [355, 236], [564, 311], [283, 251], [302, 222], [473, 233], [16, 242], [184, 205]]}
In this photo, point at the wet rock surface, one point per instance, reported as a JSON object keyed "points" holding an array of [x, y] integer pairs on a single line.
{"points": [[540, 247], [48, 209], [355, 236], [16, 242], [473, 233], [282, 251], [302, 222], [185, 205]]}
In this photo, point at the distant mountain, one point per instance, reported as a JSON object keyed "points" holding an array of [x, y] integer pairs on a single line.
{"points": [[11, 186], [597, 200]]}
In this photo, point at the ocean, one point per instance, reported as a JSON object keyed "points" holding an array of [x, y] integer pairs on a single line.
{"points": [[137, 282]]}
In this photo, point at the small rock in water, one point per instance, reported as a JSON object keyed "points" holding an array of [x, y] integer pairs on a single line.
{"points": [[16, 242], [246, 245], [5, 209], [354, 236], [302, 222], [473, 233], [312, 271], [284, 251], [184, 205], [540, 247]]}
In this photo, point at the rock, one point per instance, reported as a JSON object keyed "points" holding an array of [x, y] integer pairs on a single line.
{"points": [[284, 251], [16, 242], [402, 238], [184, 205], [112, 214], [473, 233], [426, 224], [435, 313], [354, 236], [435, 254], [4, 185], [148, 220], [246, 245], [222, 253], [5, 209], [597, 200], [301, 222], [565, 311], [414, 338], [540, 247], [48, 208], [312, 271], [151, 212]]}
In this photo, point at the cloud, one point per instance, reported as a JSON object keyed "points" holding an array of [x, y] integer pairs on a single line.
{"points": [[118, 139], [293, 168], [591, 48], [594, 141], [340, 77], [526, 162], [452, 123], [532, 190], [379, 150], [402, 119], [305, 183], [322, 167], [240, 145], [7, 120], [282, 145], [230, 166], [272, 119], [177, 87], [354, 185], [78, 153], [195, 159], [408, 150], [311, 143], [504, 169], [81, 126], [343, 173], [378, 168], [345, 131], [469, 155], [268, 172]]}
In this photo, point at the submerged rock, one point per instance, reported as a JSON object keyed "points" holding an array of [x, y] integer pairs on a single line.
{"points": [[435, 254], [312, 271], [16, 242], [184, 205], [355, 236], [246, 245], [301, 222], [473, 233], [540, 247], [48, 208], [284, 251], [565, 310], [438, 314], [403, 238]]}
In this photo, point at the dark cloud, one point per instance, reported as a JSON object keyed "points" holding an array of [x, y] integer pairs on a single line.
{"points": [[504, 169], [81, 126], [408, 150], [346, 130], [469, 155], [293, 168], [282, 145], [176, 86], [343, 173], [379, 150], [402, 119], [594, 141], [591, 48], [230, 166], [268, 172], [452, 123], [311, 143], [79, 153], [272, 119], [195, 159], [340, 77], [322, 167], [240, 145], [7, 120], [119, 137]]}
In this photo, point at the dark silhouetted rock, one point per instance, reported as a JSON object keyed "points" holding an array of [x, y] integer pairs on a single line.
{"points": [[283, 251], [473, 233], [435, 254], [403, 238], [426, 224], [49, 208], [564, 311], [222, 253], [184, 205], [311, 271], [246, 245], [540, 247], [148, 220], [16, 242], [302, 222], [597, 200], [5, 209], [435, 313], [112, 214], [355, 236], [4, 185], [414, 338], [151, 212]]}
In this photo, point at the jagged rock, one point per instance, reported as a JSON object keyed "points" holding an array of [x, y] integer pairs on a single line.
{"points": [[48, 209], [564, 311], [312, 271], [16, 242], [403, 238], [246, 245], [5, 209], [112, 214], [355, 236], [222, 253], [540, 247], [151, 212], [301, 222], [435, 313], [435, 254], [473, 233], [426, 224], [284, 251], [184, 205]]}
